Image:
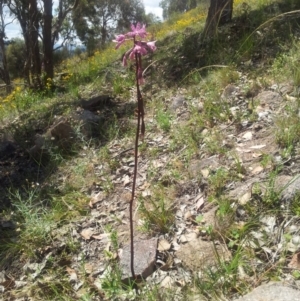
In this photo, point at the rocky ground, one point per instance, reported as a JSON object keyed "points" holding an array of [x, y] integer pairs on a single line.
{"points": [[198, 230], [216, 214]]}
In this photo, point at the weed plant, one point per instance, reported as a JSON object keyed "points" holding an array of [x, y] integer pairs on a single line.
{"points": [[157, 213], [163, 119], [38, 216], [288, 127]]}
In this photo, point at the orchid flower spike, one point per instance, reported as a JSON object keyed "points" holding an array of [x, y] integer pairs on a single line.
{"points": [[138, 30], [137, 34]]}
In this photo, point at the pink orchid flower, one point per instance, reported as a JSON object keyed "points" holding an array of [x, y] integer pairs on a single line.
{"points": [[139, 48], [138, 30], [152, 45], [120, 39]]}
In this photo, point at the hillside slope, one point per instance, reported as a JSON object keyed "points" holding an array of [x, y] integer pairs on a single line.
{"points": [[218, 171]]}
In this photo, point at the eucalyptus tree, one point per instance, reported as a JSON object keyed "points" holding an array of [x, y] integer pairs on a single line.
{"points": [[219, 13], [38, 24], [16, 56], [52, 27], [96, 21], [4, 74], [177, 6], [27, 15]]}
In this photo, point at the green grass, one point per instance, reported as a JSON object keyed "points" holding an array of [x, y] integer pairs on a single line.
{"points": [[163, 119], [123, 83], [222, 280], [287, 127], [44, 217], [157, 212], [37, 217], [287, 63], [36, 222], [295, 205]]}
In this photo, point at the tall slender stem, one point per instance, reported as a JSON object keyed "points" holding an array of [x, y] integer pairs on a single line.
{"points": [[132, 198], [140, 116]]}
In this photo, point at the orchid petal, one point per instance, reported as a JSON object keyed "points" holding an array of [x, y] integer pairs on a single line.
{"points": [[125, 56], [120, 39], [151, 45], [132, 54], [143, 51], [138, 30], [124, 61], [140, 47]]}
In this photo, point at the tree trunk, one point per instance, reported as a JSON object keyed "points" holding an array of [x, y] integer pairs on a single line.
{"points": [[103, 33], [34, 44], [20, 9], [29, 16], [4, 69], [219, 13], [27, 63], [24, 26], [47, 40]]}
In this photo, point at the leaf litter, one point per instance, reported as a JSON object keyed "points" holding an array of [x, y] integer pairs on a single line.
{"points": [[189, 246]]}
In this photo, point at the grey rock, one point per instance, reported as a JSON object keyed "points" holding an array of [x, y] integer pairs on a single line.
{"points": [[144, 259], [264, 115], [241, 188], [285, 88], [96, 103], [230, 91], [7, 224], [89, 122], [209, 217], [89, 117], [60, 134], [274, 87], [270, 98], [177, 102], [272, 292], [281, 182], [198, 254]]}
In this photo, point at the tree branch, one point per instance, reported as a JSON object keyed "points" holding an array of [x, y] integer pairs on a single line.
{"points": [[61, 17]]}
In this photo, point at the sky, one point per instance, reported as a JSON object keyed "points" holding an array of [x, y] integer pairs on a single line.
{"points": [[151, 6], [12, 30]]}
